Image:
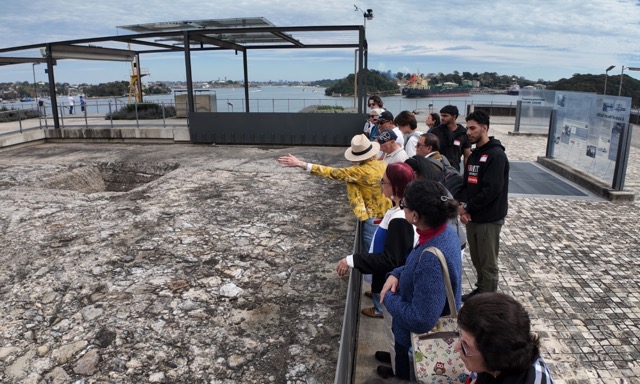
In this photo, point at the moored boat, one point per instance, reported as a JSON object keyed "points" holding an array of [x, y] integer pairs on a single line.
{"points": [[418, 86]]}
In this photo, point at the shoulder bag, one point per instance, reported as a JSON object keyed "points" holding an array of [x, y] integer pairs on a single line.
{"points": [[435, 361]]}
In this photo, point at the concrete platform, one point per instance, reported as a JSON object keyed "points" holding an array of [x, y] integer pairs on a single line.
{"points": [[574, 265]]}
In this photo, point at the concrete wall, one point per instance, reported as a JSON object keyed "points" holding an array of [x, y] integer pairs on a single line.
{"points": [[321, 129]]}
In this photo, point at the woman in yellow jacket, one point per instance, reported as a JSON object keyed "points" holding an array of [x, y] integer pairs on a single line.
{"points": [[362, 178]]}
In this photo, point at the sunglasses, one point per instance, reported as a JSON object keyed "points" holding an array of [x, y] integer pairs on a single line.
{"points": [[465, 347], [375, 117], [403, 205]]}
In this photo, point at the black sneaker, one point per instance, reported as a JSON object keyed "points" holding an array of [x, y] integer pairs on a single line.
{"points": [[466, 296], [384, 371], [383, 357]]}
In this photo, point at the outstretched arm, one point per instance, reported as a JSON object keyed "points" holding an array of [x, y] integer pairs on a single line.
{"points": [[291, 161]]}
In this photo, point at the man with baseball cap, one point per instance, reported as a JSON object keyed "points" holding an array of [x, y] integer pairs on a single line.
{"points": [[393, 152], [385, 123], [362, 178]]}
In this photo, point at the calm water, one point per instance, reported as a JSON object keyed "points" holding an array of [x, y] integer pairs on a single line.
{"points": [[280, 99]]}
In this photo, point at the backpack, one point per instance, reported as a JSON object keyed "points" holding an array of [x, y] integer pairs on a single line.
{"points": [[452, 178], [409, 136]]}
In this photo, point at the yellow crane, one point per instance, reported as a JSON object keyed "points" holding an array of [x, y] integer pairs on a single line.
{"points": [[135, 83]]}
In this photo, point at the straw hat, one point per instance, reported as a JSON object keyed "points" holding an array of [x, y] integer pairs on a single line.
{"points": [[361, 148]]}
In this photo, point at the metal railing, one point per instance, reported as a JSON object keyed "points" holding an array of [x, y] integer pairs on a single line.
{"points": [[345, 368], [96, 110]]}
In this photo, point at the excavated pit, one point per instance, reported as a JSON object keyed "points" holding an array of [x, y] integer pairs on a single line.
{"points": [[108, 176], [219, 271]]}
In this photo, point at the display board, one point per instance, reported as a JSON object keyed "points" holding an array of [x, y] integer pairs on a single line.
{"points": [[587, 130]]}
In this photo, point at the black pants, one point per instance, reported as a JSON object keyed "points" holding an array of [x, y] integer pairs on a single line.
{"points": [[403, 365]]}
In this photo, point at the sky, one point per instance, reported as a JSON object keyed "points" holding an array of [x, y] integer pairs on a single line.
{"points": [[538, 39]]}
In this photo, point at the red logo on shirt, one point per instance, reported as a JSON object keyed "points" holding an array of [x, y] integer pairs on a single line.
{"points": [[456, 143], [472, 179], [484, 158]]}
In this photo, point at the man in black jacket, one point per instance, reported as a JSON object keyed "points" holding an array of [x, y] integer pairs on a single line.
{"points": [[484, 201], [454, 142]]}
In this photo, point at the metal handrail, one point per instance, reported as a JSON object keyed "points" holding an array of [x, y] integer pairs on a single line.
{"points": [[345, 368]]}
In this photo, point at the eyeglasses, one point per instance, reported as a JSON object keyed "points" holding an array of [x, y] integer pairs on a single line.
{"points": [[421, 145], [464, 346], [464, 349]]}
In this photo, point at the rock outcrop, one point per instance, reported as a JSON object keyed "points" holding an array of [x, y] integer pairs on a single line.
{"points": [[219, 267]]}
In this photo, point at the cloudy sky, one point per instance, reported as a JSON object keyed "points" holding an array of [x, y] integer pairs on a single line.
{"points": [[539, 39]]}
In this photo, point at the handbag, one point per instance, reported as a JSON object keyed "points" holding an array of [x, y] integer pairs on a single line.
{"points": [[435, 361]]}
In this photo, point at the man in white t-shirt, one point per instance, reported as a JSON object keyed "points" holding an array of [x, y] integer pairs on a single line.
{"points": [[71, 103], [393, 152], [407, 124]]}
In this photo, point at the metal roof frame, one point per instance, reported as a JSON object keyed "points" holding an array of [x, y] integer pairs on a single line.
{"points": [[193, 38]]}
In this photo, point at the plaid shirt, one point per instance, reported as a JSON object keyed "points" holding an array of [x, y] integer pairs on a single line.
{"points": [[363, 186]]}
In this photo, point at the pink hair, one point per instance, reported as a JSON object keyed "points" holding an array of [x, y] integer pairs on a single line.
{"points": [[399, 175]]}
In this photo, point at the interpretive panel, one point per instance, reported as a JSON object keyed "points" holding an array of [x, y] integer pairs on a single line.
{"points": [[587, 130], [535, 110]]}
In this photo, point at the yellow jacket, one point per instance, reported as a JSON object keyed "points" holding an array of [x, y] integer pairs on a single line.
{"points": [[363, 186]]}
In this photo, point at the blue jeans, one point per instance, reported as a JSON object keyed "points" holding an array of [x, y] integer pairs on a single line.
{"points": [[368, 230], [376, 302]]}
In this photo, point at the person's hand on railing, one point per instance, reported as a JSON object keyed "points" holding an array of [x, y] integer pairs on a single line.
{"points": [[342, 268]]}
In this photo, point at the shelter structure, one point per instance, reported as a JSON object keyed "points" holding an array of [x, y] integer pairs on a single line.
{"points": [[238, 34]]}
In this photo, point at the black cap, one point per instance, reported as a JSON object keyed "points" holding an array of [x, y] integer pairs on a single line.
{"points": [[385, 116]]}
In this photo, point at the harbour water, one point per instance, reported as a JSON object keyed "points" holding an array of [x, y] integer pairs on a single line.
{"points": [[278, 99]]}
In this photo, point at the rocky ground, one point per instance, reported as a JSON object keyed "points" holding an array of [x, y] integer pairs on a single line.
{"points": [[182, 264]]}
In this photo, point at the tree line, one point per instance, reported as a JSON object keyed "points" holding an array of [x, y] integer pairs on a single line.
{"points": [[386, 83], [18, 90]]}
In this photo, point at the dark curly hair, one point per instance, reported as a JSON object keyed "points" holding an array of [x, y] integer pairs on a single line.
{"points": [[480, 117], [429, 199], [377, 100], [502, 330]]}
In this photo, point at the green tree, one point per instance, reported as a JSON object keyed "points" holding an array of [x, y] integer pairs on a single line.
{"points": [[377, 83], [595, 83]]}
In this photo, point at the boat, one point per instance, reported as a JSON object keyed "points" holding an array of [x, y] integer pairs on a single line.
{"points": [[514, 90], [419, 86]]}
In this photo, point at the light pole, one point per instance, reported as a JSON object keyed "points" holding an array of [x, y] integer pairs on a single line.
{"points": [[35, 85], [367, 15], [621, 76], [606, 76], [355, 76]]}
